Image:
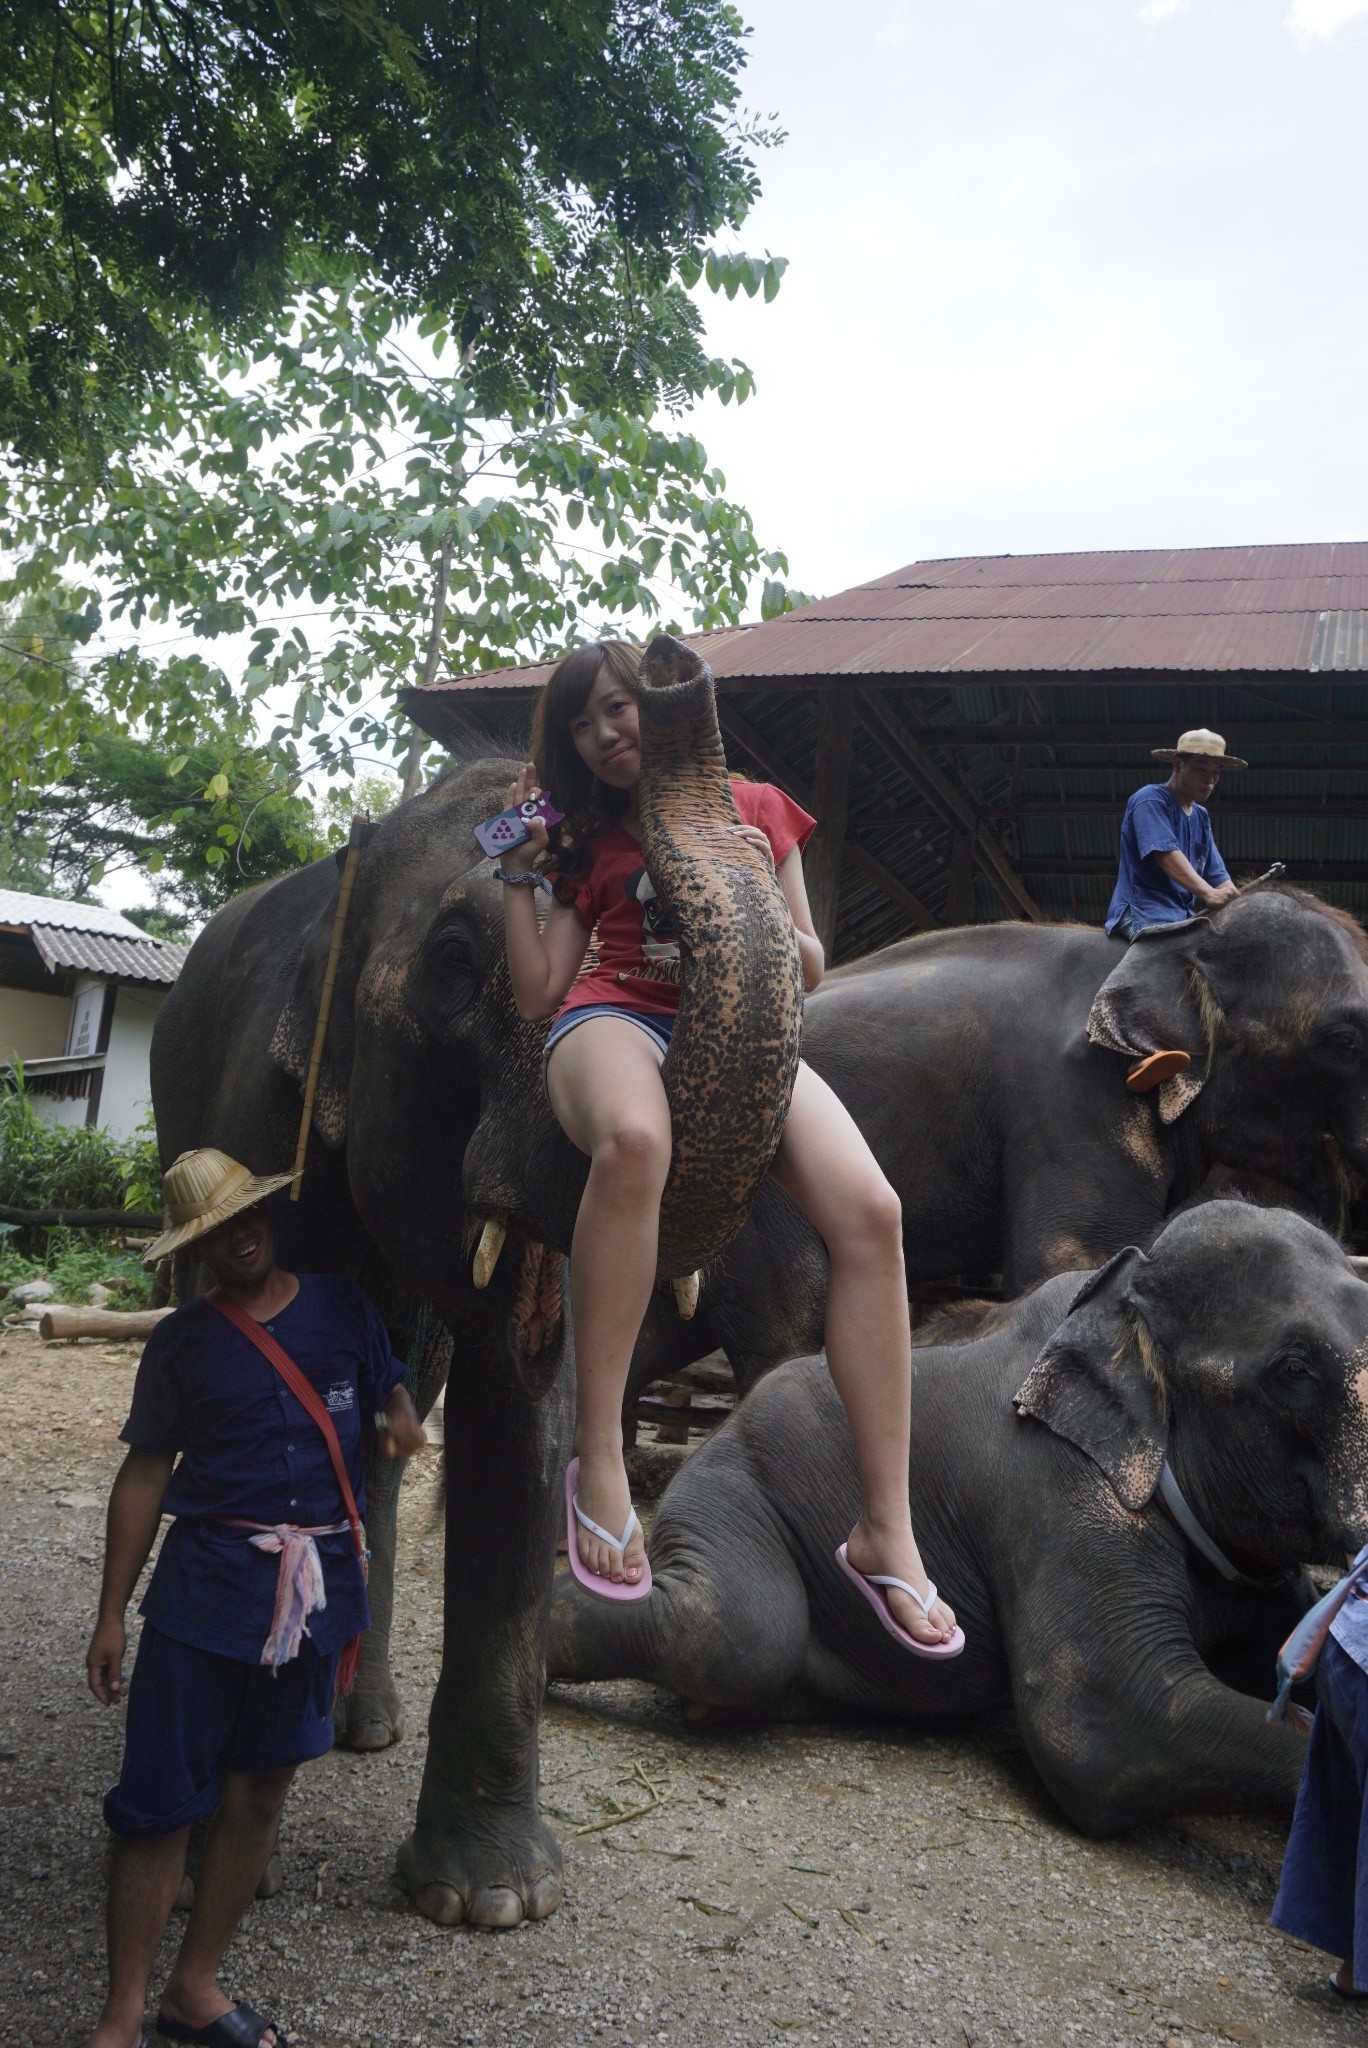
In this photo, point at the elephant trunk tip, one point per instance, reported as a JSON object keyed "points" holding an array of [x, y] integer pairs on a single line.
{"points": [[668, 661]]}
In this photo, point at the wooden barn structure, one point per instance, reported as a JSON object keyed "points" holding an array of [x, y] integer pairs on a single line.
{"points": [[967, 731]]}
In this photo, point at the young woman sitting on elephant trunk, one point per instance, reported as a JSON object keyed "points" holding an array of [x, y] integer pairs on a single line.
{"points": [[603, 1073]]}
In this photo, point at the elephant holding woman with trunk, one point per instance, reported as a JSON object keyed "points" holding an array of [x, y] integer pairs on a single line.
{"points": [[429, 1120]]}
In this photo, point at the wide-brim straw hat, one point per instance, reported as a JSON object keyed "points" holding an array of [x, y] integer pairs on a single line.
{"points": [[202, 1189], [1207, 745]]}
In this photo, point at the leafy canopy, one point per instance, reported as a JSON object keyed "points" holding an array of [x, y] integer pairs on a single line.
{"points": [[300, 499], [535, 174]]}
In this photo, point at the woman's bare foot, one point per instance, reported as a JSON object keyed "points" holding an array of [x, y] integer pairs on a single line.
{"points": [[894, 1551], [605, 1497]]}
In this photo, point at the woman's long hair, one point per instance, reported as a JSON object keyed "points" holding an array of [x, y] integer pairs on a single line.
{"points": [[591, 808]]}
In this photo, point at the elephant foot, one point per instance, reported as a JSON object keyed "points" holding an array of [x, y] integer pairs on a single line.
{"points": [[485, 1882], [371, 1715]]}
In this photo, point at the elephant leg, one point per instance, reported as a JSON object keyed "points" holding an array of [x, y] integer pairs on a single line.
{"points": [[1129, 1728], [371, 1715], [479, 1850]]}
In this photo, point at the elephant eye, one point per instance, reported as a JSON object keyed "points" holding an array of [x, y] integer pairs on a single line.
{"points": [[1342, 1042], [1294, 1368], [451, 963]]}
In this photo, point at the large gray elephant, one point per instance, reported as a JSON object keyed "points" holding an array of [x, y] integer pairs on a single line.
{"points": [[430, 1121], [1230, 1357], [987, 1067]]}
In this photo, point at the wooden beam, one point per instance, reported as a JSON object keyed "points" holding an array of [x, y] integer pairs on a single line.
{"points": [[1240, 736], [739, 728], [830, 806], [906, 750], [1311, 871], [1308, 808]]}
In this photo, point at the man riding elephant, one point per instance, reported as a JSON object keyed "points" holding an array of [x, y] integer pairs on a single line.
{"points": [[985, 1068], [1121, 1476]]}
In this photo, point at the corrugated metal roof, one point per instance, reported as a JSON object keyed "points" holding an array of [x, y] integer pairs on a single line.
{"points": [[18, 908], [1035, 687], [138, 959]]}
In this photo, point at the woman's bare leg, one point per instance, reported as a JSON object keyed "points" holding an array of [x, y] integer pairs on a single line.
{"points": [[605, 1087], [825, 1164]]}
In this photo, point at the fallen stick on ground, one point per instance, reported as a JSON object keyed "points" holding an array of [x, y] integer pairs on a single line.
{"points": [[101, 1322]]}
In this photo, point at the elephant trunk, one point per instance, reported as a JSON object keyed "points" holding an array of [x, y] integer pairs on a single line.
{"points": [[733, 1060]]}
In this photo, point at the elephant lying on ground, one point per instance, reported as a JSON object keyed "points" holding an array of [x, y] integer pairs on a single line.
{"points": [[1236, 1353], [981, 1066]]}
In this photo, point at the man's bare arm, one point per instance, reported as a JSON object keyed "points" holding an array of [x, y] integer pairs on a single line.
{"points": [[1180, 870], [130, 1531]]}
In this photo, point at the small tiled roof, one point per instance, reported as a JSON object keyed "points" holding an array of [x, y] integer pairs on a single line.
{"points": [[90, 939]]}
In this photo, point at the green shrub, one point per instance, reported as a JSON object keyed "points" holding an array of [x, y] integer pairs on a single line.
{"points": [[72, 1166], [73, 1261]]}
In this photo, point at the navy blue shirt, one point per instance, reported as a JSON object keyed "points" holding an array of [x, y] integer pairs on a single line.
{"points": [[1155, 822], [247, 1449]]}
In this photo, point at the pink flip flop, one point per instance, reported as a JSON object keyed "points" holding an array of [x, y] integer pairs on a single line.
{"points": [[602, 1589], [869, 1584]]}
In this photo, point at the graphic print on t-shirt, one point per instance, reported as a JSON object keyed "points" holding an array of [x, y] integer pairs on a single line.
{"points": [[659, 933]]}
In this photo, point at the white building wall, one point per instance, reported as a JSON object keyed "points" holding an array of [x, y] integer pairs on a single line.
{"points": [[126, 1096], [33, 1026]]}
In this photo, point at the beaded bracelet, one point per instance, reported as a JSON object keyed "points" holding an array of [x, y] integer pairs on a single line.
{"points": [[528, 879]]}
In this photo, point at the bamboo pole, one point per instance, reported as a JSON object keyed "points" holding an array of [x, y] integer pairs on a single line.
{"points": [[58, 1321], [344, 896]]}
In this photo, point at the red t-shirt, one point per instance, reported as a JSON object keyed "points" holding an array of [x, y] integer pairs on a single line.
{"points": [[637, 965]]}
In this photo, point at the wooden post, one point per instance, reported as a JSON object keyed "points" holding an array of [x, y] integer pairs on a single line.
{"points": [[359, 827], [830, 804]]}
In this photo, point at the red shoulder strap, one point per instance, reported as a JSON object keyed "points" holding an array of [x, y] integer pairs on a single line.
{"points": [[304, 1393]]}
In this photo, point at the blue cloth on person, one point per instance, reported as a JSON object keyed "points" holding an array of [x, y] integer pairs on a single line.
{"points": [[1155, 822], [1323, 1893], [248, 1451], [194, 1716]]}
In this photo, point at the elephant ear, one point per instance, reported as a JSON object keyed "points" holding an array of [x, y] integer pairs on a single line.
{"points": [[1096, 1383], [1152, 1001], [291, 1046]]}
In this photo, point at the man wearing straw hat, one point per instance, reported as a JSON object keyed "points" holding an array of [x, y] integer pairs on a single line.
{"points": [[246, 1426], [1171, 867], [1170, 864]]}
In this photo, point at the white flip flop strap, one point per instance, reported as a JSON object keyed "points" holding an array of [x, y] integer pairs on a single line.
{"points": [[618, 1543], [883, 1579]]}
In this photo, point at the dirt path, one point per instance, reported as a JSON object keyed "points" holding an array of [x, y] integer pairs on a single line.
{"points": [[860, 1885]]}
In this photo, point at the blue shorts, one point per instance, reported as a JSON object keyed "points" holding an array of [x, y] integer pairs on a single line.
{"points": [[194, 1716], [1323, 1894], [657, 1029]]}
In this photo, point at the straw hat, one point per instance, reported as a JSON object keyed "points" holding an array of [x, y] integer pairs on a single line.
{"points": [[1201, 741], [202, 1189]]}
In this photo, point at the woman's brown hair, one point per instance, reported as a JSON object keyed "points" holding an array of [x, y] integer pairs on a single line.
{"points": [[591, 808]]}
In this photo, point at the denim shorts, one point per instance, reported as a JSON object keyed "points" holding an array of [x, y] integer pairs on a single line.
{"points": [[194, 1716], [657, 1029]]}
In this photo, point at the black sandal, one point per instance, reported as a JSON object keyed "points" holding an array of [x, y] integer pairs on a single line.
{"points": [[241, 2028]]}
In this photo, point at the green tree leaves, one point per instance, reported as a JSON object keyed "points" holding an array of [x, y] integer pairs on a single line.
{"points": [[527, 179]]}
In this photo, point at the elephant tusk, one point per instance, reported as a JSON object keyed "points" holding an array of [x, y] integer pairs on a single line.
{"points": [[686, 1295], [488, 1249]]}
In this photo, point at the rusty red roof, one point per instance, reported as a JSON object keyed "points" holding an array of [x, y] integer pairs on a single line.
{"points": [[1169, 611]]}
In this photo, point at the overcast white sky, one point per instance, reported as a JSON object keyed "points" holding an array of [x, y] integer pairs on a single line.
{"points": [[1082, 273]]}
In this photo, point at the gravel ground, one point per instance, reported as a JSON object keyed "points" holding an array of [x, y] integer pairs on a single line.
{"points": [[858, 1884]]}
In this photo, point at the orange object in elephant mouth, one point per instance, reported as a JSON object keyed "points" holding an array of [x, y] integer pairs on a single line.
{"points": [[1155, 1069]]}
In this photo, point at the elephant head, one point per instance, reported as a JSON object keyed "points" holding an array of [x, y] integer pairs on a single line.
{"points": [[1269, 995], [433, 1084], [730, 1069], [1237, 1350]]}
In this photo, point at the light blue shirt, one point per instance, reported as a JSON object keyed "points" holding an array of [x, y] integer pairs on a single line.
{"points": [[1155, 822], [1350, 1625]]}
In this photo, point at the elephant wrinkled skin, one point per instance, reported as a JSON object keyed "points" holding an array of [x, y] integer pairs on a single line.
{"points": [[1237, 1349]]}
